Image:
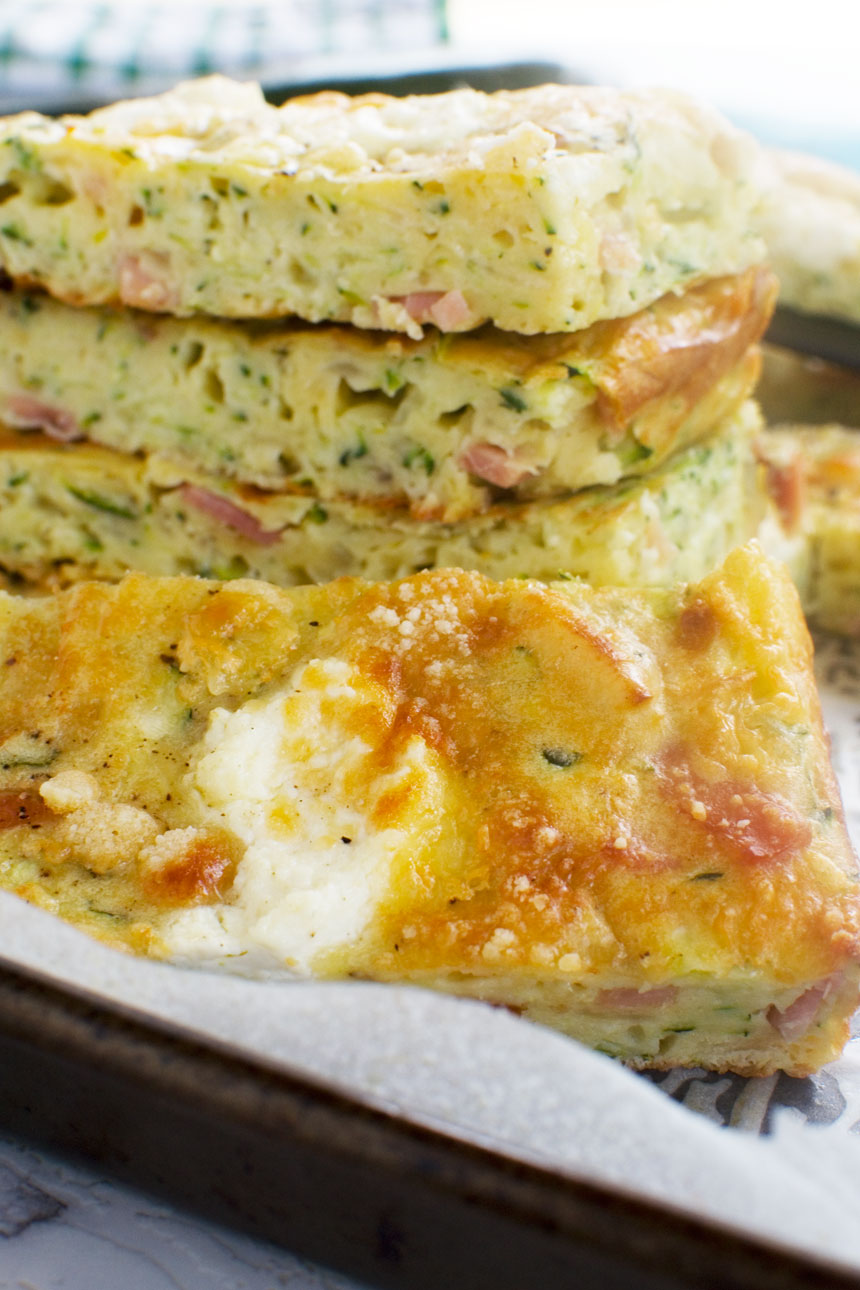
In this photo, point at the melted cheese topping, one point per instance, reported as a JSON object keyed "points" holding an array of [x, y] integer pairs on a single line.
{"points": [[289, 776]]}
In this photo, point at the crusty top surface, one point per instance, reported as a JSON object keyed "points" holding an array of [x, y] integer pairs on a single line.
{"points": [[625, 784], [218, 120]]}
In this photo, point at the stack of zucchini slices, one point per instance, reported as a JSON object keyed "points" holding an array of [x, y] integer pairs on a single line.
{"points": [[512, 332]]}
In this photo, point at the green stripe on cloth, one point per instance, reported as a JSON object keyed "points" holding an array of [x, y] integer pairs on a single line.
{"points": [[203, 62], [54, 52], [78, 61]]}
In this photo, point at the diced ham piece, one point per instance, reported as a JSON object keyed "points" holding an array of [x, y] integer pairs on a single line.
{"points": [[451, 312], [447, 309], [22, 806], [763, 826], [419, 303], [144, 282], [786, 485], [618, 254], [627, 998], [496, 465], [794, 1021], [28, 413], [226, 512]]}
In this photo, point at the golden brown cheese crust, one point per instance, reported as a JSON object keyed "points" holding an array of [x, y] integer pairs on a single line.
{"points": [[614, 796]]}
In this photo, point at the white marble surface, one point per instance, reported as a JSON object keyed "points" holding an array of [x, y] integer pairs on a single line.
{"points": [[64, 1227]]}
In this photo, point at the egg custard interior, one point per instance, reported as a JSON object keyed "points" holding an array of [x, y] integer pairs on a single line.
{"points": [[611, 810], [445, 426], [71, 512]]}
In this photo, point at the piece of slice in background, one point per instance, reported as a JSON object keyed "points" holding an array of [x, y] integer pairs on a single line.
{"points": [[811, 223], [811, 446], [813, 476], [610, 810]]}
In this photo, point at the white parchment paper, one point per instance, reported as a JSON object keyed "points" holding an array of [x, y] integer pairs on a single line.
{"points": [[481, 1074]]}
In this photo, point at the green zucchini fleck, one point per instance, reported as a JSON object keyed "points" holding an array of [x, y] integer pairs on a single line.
{"points": [[235, 568], [561, 757], [419, 456], [636, 452], [152, 201], [24, 154], [512, 400], [353, 454], [14, 234], [101, 503]]}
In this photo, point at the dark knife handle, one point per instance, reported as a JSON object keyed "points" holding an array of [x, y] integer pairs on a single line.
{"points": [[827, 338]]}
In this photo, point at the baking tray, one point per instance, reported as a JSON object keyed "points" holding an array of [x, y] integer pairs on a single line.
{"points": [[255, 1145]]}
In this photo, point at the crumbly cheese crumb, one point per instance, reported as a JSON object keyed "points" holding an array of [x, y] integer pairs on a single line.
{"points": [[69, 790], [168, 848], [501, 941]]}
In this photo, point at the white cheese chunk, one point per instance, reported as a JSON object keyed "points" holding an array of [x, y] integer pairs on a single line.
{"points": [[297, 777]]}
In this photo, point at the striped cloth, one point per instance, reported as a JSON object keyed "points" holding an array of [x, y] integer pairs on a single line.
{"points": [[59, 52]]}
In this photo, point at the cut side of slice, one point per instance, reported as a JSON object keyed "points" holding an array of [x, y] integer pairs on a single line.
{"points": [[444, 426], [75, 511], [539, 210]]}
